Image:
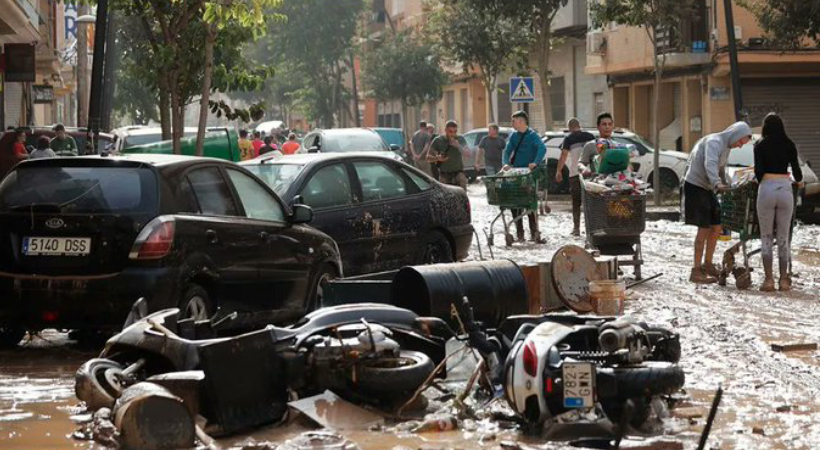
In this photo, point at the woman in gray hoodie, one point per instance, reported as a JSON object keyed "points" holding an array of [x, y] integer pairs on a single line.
{"points": [[703, 180]]}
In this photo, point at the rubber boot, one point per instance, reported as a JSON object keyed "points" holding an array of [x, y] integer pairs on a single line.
{"points": [[768, 283], [785, 283]]}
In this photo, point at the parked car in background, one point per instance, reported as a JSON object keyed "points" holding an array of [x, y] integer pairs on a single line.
{"points": [[394, 137], [472, 139], [83, 238], [220, 143], [345, 140], [105, 141], [808, 199], [384, 214], [135, 135], [672, 163]]}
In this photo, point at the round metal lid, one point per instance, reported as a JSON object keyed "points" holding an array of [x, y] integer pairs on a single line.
{"points": [[572, 270]]}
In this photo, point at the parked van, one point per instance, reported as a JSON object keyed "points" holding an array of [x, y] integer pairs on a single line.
{"points": [[220, 143]]}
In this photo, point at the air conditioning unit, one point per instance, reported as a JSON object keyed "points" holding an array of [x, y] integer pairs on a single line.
{"points": [[596, 43]]}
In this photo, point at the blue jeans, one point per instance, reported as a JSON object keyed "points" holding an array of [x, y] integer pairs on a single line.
{"points": [[490, 170]]}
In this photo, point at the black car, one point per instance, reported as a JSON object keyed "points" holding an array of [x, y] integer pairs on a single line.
{"points": [[384, 214], [81, 239]]}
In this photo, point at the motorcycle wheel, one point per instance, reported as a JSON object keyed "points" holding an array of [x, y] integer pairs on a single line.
{"points": [[96, 383], [394, 376], [648, 379]]}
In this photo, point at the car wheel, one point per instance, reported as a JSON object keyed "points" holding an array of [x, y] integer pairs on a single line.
{"points": [[317, 293], [436, 249], [195, 303], [669, 183], [11, 336], [97, 383]]}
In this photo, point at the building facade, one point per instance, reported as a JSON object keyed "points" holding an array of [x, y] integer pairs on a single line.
{"points": [[696, 93]]}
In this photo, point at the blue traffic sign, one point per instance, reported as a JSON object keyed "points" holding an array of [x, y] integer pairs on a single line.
{"points": [[522, 90]]}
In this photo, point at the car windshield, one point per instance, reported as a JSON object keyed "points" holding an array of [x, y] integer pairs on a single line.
{"points": [[278, 176], [117, 190], [742, 157], [391, 137], [353, 141]]}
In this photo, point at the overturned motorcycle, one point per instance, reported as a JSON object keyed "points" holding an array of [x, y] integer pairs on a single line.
{"points": [[368, 353]]}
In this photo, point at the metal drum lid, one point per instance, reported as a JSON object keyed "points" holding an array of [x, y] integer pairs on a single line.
{"points": [[572, 270]]}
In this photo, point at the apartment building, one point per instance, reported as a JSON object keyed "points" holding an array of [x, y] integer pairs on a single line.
{"points": [[696, 93]]}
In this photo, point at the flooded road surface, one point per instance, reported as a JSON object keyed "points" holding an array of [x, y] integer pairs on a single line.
{"points": [[770, 399]]}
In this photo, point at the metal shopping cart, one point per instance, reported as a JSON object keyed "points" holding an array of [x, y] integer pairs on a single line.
{"points": [[738, 214], [512, 190], [614, 223]]}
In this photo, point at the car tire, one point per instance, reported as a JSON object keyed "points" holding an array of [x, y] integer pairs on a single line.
{"points": [[195, 303], [10, 337], [394, 377], [325, 273], [436, 249], [649, 379], [96, 383], [669, 183]]}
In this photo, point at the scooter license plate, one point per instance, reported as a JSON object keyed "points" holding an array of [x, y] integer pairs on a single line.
{"points": [[579, 384]]}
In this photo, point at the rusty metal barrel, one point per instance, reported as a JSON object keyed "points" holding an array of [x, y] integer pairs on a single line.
{"points": [[496, 289]]}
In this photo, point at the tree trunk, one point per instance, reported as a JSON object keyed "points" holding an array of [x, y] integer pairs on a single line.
{"points": [[544, 52], [164, 106], [210, 37], [356, 119], [177, 119], [404, 124], [489, 85], [656, 106]]}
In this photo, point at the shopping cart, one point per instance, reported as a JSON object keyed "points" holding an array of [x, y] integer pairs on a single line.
{"points": [[512, 190], [614, 223], [738, 214]]}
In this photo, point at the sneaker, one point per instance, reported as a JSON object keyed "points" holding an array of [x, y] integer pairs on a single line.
{"points": [[711, 270], [536, 238], [785, 283], [700, 277], [768, 285]]}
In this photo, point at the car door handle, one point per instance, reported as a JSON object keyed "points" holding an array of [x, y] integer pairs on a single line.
{"points": [[212, 237]]}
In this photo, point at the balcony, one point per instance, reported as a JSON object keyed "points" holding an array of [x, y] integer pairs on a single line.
{"points": [[687, 45], [571, 20]]}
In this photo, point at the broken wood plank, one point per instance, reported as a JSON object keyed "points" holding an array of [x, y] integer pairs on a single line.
{"points": [[796, 347]]}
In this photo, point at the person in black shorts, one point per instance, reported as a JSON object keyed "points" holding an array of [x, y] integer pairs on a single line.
{"points": [[703, 180]]}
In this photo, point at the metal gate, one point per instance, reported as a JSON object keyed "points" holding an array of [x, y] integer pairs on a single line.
{"points": [[797, 100]]}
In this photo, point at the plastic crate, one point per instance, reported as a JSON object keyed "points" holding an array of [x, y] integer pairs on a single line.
{"points": [[614, 215], [513, 191], [738, 211]]}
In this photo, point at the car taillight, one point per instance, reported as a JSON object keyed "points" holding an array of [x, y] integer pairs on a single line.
{"points": [[530, 359], [155, 240], [548, 386]]}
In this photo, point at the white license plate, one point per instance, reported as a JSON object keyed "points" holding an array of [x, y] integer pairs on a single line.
{"points": [[579, 384], [56, 246]]}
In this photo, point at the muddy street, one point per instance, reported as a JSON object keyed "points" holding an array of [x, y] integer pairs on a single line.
{"points": [[769, 400]]}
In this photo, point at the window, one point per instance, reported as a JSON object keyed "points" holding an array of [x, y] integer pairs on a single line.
{"points": [[257, 201], [378, 181], [212, 192], [450, 104], [328, 187], [558, 99], [422, 184], [279, 176], [599, 103]]}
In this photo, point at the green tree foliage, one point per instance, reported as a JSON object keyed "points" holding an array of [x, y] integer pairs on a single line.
{"points": [[656, 17], [405, 68], [474, 37], [788, 22], [312, 49], [534, 17]]}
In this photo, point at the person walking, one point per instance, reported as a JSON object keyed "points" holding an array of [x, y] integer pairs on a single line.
{"points": [[43, 149], [257, 143], [270, 146], [774, 154], [491, 151], [63, 144], [419, 144], [703, 180], [245, 146], [571, 149], [525, 149], [291, 145], [446, 151]]}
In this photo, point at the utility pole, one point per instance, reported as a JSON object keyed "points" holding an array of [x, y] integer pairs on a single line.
{"points": [[96, 97], [109, 78], [82, 68], [737, 94]]}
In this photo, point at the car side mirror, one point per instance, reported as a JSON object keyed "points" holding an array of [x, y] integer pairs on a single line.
{"points": [[297, 200], [395, 147], [301, 214]]}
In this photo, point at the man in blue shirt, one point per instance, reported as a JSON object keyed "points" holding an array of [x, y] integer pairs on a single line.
{"points": [[524, 150]]}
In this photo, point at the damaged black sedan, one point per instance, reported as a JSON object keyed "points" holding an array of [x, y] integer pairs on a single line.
{"points": [[384, 214]]}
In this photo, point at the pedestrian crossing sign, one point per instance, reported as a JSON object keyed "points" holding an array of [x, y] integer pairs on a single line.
{"points": [[521, 90]]}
